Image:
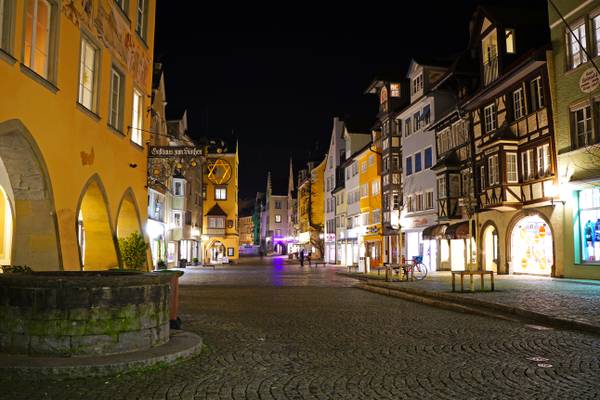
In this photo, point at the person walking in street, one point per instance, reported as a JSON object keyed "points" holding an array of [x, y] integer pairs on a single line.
{"points": [[302, 257], [308, 257]]}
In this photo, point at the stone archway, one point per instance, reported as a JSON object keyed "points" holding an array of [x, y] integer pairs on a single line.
{"points": [[26, 183], [96, 241], [489, 247], [530, 244], [128, 218]]}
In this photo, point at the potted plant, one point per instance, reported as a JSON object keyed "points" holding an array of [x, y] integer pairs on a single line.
{"points": [[161, 264], [133, 251], [195, 260]]}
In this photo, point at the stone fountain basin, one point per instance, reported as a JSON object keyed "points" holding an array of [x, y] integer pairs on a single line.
{"points": [[83, 313]]}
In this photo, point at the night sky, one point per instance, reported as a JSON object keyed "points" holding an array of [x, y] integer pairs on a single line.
{"points": [[275, 77]]}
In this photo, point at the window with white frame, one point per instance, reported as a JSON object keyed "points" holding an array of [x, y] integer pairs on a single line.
{"points": [[88, 75], [490, 117], [395, 201], [441, 186], [482, 177], [354, 168], [582, 126], [543, 160], [178, 187], [493, 170], [395, 89], [278, 218], [409, 204], [396, 179], [429, 200], [115, 118], [220, 193], [40, 16], [417, 84], [395, 141], [416, 121], [576, 42], [537, 94], [386, 180], [419, 202], [216, 222], [375, 187], [376, 216], [395, 162], [510, 41], [428, 157], [363, 167], [596, 33], [365, 219], [512, 172], [418, 164], [518, 103], [426, 115], [527, 163], [141, 18], [137, 117], [364, 190], [407, 127], [176, 219]]}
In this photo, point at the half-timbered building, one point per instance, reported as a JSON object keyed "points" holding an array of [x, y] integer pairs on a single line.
{"points": [[512, 132]]}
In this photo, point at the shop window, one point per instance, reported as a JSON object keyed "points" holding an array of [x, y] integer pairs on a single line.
{"points": [[230, 252], [531, 246], [589, 220], [171, 251]]}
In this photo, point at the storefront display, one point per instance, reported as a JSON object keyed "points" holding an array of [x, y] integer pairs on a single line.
{"points": [[589, 219], [532, 247]]}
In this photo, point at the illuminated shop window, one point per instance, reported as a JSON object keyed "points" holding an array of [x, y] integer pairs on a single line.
{"points": [[589, 220]]}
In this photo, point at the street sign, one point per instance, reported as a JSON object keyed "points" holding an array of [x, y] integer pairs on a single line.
{"points": [[175, 151]]}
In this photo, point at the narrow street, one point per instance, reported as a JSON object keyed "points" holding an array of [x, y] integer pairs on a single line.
{"points": [[278, 331]]}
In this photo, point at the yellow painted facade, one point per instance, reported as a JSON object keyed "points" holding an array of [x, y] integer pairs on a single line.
{"points": [[311, 209], [74, 183], [220, 237], [370, 203]]}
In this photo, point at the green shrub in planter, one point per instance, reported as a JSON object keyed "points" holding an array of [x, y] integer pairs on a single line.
{"points": [[133, 251], [161, 264]]}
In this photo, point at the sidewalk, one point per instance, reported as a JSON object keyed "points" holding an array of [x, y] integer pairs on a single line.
{"points": [[573, 304]]}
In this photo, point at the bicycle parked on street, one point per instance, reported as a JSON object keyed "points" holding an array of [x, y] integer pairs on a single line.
{"points": [[414, 269]]}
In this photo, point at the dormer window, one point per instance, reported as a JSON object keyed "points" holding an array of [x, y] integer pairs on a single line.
{"points": [[489, 54], [417, 84], [395, 89], [510, 41], [383, 99]]}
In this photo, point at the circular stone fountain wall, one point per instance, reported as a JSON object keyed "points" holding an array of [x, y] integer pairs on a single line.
{"points": [[83, 313]]}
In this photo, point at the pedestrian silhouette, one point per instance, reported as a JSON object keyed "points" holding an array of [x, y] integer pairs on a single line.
{"points": [[302, 257], [308, 257]]}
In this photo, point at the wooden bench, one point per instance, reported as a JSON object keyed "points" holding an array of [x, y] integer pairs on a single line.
{"points": [[470, 274], [213, 266], [317, 263]]}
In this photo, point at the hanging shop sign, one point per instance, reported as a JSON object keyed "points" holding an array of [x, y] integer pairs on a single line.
{"points": [[175, 151], [589, 80]]}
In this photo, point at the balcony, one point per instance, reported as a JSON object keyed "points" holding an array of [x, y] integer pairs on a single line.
{"points": [[490, 71]]}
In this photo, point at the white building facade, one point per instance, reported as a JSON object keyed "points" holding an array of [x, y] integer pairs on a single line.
{"points": [[335, 156]]}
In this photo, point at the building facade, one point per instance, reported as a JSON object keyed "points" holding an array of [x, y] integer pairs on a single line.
{"points": [[335, 157], [274, 221], [246, 227], [220, 235], [419, 210], [72, 139], [514, 148], [311, 206], [575, 103]]}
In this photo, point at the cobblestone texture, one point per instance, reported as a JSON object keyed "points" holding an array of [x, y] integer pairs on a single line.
{"points": [[568, 299], [316, 338]]}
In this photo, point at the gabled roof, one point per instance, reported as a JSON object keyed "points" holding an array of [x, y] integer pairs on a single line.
{"points": [[216, 211], [381, 78]]}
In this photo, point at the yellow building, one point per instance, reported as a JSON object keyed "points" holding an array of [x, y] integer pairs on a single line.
{"points": [[75, 78], [220, 235], [246, 228], [311, 209], [371, 239]]}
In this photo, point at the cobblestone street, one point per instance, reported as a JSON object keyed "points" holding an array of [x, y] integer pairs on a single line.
{"points": [[276, 331]]}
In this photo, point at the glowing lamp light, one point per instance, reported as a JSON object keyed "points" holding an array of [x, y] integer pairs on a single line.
{"points": [[204, 238]]}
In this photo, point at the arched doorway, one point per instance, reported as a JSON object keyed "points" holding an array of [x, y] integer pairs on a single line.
{"points": [[489, 248], [128, 218], [31, 239], [531, 246], [216, 251], [6, 227], [97, 245]]}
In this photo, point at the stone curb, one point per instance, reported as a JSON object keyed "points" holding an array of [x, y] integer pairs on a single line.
{"points": [[445, 300], [181, 346]]}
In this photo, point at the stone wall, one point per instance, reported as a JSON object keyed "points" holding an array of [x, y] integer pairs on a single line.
{"points": [[83, 313]]}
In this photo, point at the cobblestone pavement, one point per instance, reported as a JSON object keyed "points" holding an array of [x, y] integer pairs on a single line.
{"points": [[568, 299], [305, 341]]}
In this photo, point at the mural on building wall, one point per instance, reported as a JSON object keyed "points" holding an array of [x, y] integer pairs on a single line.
{"points": [[103, 19]]}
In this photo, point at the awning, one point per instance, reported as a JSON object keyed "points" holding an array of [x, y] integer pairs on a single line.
{"points": [[434, 232], [460, 230]]}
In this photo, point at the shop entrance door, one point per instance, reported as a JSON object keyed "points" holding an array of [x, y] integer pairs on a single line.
{"points": [[532, 249]]}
